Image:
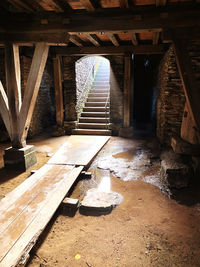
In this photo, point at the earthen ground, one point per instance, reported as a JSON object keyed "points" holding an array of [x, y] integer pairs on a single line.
{"points": [[146, 229]]}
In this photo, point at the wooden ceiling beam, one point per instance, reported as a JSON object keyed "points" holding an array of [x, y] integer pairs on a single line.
{"points": [[50, 38], [112, 38], [52, 4], [75, 40], [88, 5], [161, 2], [21, 5], [156, 36], [93, 39], [109, 50], [133, 38], [101, 22], [124, 3]]}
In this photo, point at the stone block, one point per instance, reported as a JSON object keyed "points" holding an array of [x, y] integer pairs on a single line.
{"points": [[69, 206], [20, 159], [176, 174]]}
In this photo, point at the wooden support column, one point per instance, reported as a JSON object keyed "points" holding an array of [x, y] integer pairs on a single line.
{"points": [[4, 109], [13, 82], [32, 88], [127, 89], [58, 91], [190, 86]]}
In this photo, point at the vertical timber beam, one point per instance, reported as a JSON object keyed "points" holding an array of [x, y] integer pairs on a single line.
{"points": [[58, 91], [191, 88], [32, 88], [127, 90], [4, 109], [13, 81]]}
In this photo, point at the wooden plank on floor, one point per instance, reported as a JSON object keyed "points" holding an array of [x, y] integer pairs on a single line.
{"points": [[21, 234], [79, 150]]}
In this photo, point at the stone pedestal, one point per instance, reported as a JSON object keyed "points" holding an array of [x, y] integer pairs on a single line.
{"points": [[20, 159]]}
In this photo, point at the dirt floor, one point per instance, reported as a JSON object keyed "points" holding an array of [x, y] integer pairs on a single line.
{"points": [[146, 229]]}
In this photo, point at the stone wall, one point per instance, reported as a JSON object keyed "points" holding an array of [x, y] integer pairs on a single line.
{"points": [[116, 92], [171, 99], [85, 70], [69, 87]]}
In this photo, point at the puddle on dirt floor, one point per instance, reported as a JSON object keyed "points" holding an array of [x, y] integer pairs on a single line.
{"points": [[80, 189], [127, 155]]}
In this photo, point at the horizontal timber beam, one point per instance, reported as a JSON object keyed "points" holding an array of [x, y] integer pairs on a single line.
{"points": [[109, 50], [138, 19], [25, 37]]}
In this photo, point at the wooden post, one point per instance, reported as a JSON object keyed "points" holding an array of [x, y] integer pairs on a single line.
{"points": [[190, 86], [58, 91], [32, 88], [127, 90], [13, 82]]}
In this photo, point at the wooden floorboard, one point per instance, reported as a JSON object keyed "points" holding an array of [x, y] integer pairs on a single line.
{"points": [[79, 150], [28, 218]]}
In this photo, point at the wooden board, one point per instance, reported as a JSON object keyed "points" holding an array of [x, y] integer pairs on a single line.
{"points": [[79, 150], [28, 209]]}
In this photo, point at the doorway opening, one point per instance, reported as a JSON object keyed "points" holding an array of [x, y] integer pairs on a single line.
{"points": [[93, 95], [145, 77]]}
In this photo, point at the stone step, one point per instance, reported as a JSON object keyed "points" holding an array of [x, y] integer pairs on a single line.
{"points": [[99, 94], [96, 104], [96, 99], [96, 91], [96, 109], [93, 125], [93, 120], [91, 131], [94, 114]]}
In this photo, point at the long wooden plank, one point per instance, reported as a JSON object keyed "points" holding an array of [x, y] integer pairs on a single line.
{"points": [[38, 223], [79, 150], [14, 195], [25, 200], [23, 220]]}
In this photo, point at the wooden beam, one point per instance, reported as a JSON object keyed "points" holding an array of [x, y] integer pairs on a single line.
{"points": [[75, 40], [112, 38], [32, 87], [21, 5], [123, 3], [87, 4], [127, 90], [50, 5], [13, 83], [189, 131], [93, 39], [25, 37], [109, 50], [4, 109], [133, 38], [156, 36], [161, 2], [58, 91], [104, 21], [190, 86]]}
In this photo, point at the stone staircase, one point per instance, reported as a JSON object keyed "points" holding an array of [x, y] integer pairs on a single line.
{"points": [[95, 117]]}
